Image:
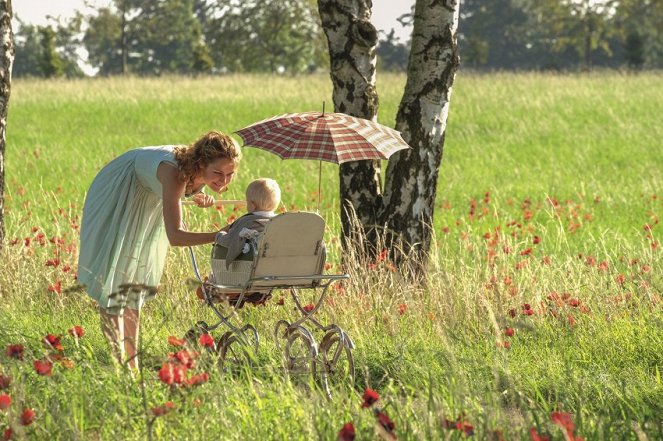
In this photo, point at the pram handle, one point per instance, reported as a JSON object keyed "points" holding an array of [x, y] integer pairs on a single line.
{"points": [[218, 202]]}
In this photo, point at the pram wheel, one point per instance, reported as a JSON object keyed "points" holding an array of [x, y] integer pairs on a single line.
{"points": [[301, 352], [337, 363], [234, 353]]}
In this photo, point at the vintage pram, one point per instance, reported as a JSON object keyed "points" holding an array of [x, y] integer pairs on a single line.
{"points": [[288, 255]]}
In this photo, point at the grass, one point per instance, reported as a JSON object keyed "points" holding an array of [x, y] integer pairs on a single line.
{"points": [[549, 195]]}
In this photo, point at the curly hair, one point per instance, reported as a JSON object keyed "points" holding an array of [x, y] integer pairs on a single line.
{"points": [[207, 149]]}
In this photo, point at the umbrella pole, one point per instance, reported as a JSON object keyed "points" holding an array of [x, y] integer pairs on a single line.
{"points": [[319, 183]]}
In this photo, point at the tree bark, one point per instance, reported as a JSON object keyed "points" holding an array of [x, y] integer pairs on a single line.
{"points": [[6, 62], [411, 177], [352, 42]]}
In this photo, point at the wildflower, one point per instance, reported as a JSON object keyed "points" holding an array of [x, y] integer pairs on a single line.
{"points": [[7, 434], [27, 417], [526, 252], [620, 278], [536, 240], [172, 373], [184, 357], [56, 287], [5, 401], [509, 332], [174, 341], [565, 421], [281, 301], [402, 308], [512, 313], [76, 331], [198, 379], [53, 262], [52, 341], [573, 302], [163, 409], [43, 367], [206, 340], [309, 307], [505, 344], [370, 397], [384, 421], [347, 432], [571, 320], [15, 351], [5, 381], [527, 309], [535, 435]]}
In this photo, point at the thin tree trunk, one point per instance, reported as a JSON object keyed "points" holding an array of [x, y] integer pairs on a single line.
{"points": [[352, 41], [6, 62], [411, 179]]}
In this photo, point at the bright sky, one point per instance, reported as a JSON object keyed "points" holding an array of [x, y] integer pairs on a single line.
{"points": [[385, 12]]}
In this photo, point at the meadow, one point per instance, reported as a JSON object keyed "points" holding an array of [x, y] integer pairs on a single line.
{"points": [[543, 316]]}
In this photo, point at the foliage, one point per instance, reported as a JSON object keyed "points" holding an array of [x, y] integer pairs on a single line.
{"points": [[543, 310]]}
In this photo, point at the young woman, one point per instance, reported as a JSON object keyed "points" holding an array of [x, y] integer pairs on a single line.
{"points": [[132, 213]]}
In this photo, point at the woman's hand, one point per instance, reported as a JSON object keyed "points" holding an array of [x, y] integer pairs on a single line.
{"points": [[203, 200]]}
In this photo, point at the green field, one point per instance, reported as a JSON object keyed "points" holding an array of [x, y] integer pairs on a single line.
{"points": [[550, 195]]}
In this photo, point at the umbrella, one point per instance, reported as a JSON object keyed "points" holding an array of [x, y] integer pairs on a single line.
{"points": [[331, 137]]}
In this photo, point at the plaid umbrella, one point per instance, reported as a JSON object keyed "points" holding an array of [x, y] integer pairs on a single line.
{"points": [[331, 137]]}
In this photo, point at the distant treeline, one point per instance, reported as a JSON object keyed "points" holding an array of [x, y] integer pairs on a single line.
{"points": [[153, 37]]}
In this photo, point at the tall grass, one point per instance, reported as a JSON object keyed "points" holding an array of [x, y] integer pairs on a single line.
{"points": [[548, 201]]}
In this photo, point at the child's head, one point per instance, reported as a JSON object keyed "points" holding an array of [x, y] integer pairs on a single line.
{"points": [[263, 194]]}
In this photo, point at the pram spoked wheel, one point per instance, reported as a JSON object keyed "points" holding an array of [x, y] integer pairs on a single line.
{"points": [[336, 362], [236, 348], [301, 352]]}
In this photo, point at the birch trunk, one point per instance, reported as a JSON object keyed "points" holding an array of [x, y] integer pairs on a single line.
{"points": [[411, 177], [6, 62], [352, 40]]}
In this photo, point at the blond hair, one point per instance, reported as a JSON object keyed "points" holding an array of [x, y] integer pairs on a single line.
{"points": [[208, 148], [265, 193]]}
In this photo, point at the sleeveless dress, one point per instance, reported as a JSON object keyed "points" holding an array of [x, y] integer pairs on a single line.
{"points": [[123, 243]]}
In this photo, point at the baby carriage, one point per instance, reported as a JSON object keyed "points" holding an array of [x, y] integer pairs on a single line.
{"points": [[288, 255]]}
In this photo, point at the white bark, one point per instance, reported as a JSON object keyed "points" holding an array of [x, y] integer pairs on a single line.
{"points": [[6, 62]]}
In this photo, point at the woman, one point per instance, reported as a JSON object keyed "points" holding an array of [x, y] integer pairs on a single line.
{"points": [[132, 212]]}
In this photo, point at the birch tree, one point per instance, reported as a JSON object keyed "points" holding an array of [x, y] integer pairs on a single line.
{"points": [[405, 209], [6, 61]]}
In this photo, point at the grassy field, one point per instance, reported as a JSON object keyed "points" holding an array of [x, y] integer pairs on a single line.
{"points": [[545, 305]]}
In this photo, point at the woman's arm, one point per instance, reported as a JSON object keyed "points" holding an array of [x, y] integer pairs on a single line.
{"points": [[172, 189]]}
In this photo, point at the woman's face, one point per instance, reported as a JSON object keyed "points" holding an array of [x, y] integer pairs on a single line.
{"points": [[218, 174]]}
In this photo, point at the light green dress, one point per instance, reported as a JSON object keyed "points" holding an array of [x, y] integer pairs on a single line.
{"points": [[123, 243]]}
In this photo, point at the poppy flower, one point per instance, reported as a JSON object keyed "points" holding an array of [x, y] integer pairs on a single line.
{"points": [[163, 409], [309, 307], [5, 401], [565, 421], [198, 379], [27, 417], [347, 432], [7, 434], [76, 331], [206, 340], [43, 367], [535, 435], [185, 358], [509, 332], [466, 427], [402, 308], [5, 381], [384, 421], [172, 373], [174, 341], [370, 397], [53, 341], [53, 262], [15, 351], [56, 287]]}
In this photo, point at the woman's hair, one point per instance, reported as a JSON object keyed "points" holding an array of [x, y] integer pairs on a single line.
{"points": [[208, 148], [265, 193]]}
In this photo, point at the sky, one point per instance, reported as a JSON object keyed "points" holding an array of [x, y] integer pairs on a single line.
{"points": [[385, 12]]}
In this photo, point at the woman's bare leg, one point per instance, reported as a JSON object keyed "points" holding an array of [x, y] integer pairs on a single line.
{"points": [[111, 327], [131, 320]]}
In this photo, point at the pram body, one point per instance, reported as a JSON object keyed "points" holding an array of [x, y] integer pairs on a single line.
{"points": [[289, 255]]}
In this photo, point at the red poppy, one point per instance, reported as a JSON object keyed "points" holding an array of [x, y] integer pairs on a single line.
{"points": [[76, 331], [347, 432], [174, 341], [465, 427], [206, 340], [5, 381], [7, 434], [385, 421], [402, 308], [172, 373], [536, 240], [15, 351], [56, 287], [509, 332], [526, 252], [198, 379], [27, 417], [163, 409], [5, 401], [52, 341], [370, 397], [565, 421], [512, 313], [43, 367], [185, 358], [309, 307], [620, 278]]}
